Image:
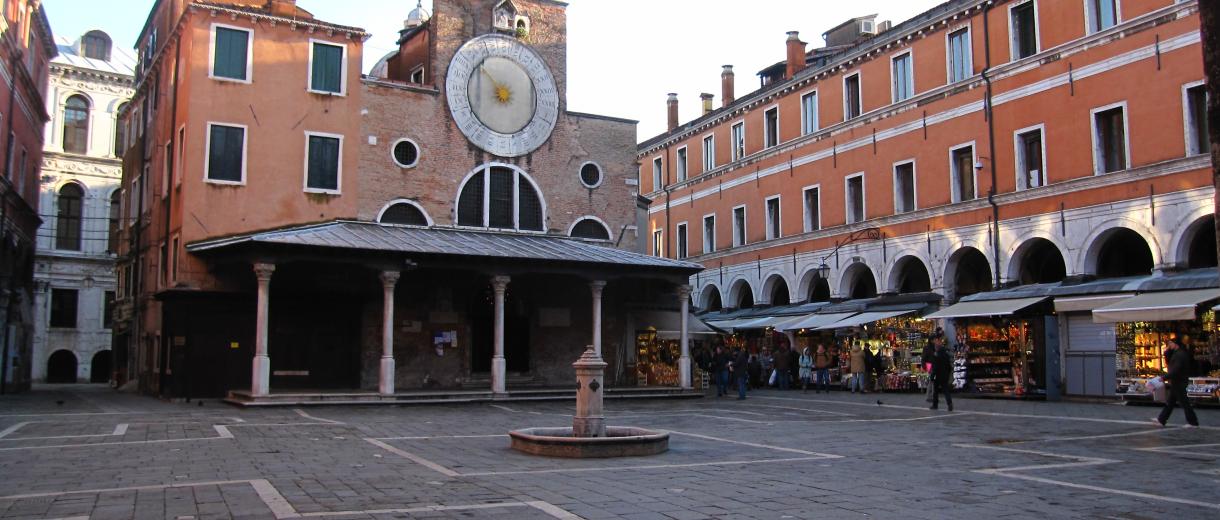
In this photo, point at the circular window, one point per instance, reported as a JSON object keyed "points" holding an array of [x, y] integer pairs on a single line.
{"points": [[591, 175], [406, 153]]}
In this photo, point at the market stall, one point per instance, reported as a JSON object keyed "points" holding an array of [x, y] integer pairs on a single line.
{"points": [[658, 348], [1001, 343], [896, 338]]}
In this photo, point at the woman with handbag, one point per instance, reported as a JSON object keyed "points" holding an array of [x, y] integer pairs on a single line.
{"points": [[806, 364]]}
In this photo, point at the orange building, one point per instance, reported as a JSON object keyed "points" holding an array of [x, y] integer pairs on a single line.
{"points": [[297, 225], [980, 145], [26, 48]]}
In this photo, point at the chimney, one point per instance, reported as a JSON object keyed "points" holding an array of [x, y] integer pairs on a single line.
{"points": [[285, 8], [726, 86], [707, 102], [672, 105], [796, 54]]}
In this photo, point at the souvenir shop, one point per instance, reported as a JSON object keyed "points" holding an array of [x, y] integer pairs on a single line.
{"points": [[999, 344], [658, 347], [896, 338], [1144, 323]]}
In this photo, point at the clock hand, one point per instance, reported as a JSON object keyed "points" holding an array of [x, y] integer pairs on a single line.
{"points": [[502, 93]]}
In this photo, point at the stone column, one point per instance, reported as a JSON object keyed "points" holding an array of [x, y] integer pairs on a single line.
{"points": [[589, 420], [684, 369], [597, 286], [498, 284], [388, 280], [261, 376]]}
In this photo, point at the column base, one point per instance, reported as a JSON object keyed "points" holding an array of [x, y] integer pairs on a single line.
{"points": [[386, 387], [684, 375], [498, 370], [260, 384]]}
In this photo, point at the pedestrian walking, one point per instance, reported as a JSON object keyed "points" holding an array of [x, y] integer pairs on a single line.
{"points": [[929, 351], [806, 363], [741, 365], [1178, 378], [756, 372], [859, 370], [942, 376], [822, 361], [782, 368], [720, 371]]}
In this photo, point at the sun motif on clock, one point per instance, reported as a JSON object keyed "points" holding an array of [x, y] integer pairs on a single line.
{"points": [[502, 95]]}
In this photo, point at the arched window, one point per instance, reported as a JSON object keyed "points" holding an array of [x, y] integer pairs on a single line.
{"points": [[120, 135], [403, 213], [95, 45], [76, 124], [67, 226], [500, 198], [112, 239], [590, 229]]}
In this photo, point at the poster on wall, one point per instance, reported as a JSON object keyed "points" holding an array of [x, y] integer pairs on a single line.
{"points": [[444, 339]]}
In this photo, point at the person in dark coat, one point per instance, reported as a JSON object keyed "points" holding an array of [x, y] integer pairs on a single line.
{"points": [[925, 357], [756, 372], [783, 368], [942, 376], [1178, 378], [741, 365], [794, 364], [720, 371]]}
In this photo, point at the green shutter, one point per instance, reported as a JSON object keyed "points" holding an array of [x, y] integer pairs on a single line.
{"points": [[323, 163], [225, 153], [327, 74], [231, 50]]}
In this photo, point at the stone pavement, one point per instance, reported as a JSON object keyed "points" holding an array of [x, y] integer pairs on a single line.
{"points": [[776, 455]]}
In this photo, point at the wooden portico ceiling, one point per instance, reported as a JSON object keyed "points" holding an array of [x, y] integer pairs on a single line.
{"points": [[394, 247]]}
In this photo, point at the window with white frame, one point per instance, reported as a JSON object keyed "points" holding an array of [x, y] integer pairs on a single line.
{"points": [[1031, 165], [231, 53], [658, 239], [854, 193], [1101, 14], [961, 165], [739, 226], [326, 68], [709, 153], [1023, 29], [773, 221], [324, 162], [960, 55], [809, 113], [657, 174], [499, 197], [682, 250], [904, 187], [903, 77], [681, 160], [709, 234], [1197, 140], [226, 155], [813, 208], [739, 140], [852, 107], [771, 127], [1110, 149]]}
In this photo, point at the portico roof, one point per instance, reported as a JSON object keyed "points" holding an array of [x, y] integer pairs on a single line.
{"points": [[445, 242]]}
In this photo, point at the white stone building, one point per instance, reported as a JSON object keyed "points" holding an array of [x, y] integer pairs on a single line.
{"points": [[74, 272]]}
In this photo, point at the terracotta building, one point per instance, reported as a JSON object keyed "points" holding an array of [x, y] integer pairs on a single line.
{"points": [[26, 47], [981, 145], [442, 223]]}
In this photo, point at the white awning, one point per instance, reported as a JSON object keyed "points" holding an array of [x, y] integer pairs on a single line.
{"points": [[763, 323], [863, 318], [1087, 303], [975, 309], [668, 324], [737, 324], [814, 321], [1156, 306]]}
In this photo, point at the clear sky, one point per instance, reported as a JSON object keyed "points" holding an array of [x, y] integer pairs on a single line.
{"points": [[624, 56]]}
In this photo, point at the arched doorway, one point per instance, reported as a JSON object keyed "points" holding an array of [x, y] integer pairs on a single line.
{"points": [[1039, 261], [745, 296], [910, 276], [1202, 251], [61, 367], [711, 299], [99, 368], [1123, 252], [819, 290], [970, 273], [858, 282], [779, 292]]}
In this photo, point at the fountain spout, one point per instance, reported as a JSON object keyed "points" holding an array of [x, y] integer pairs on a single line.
{"points": [[590, 420]]}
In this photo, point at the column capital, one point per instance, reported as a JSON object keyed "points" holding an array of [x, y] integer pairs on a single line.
{"points": [[499, 283], [684, 291], [263, 271], [389, 278], [597, 286]]}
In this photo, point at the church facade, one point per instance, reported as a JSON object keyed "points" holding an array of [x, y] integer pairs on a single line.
{"points": [[441, 223]]}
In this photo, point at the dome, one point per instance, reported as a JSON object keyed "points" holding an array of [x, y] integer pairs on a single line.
{"points": [[417, 17]]}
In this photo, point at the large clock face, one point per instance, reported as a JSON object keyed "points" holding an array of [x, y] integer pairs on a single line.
{"points": [[502, 95]]}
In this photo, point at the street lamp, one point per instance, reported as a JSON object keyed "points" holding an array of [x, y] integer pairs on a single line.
{"points": [[823, 271], [872, 233]]}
